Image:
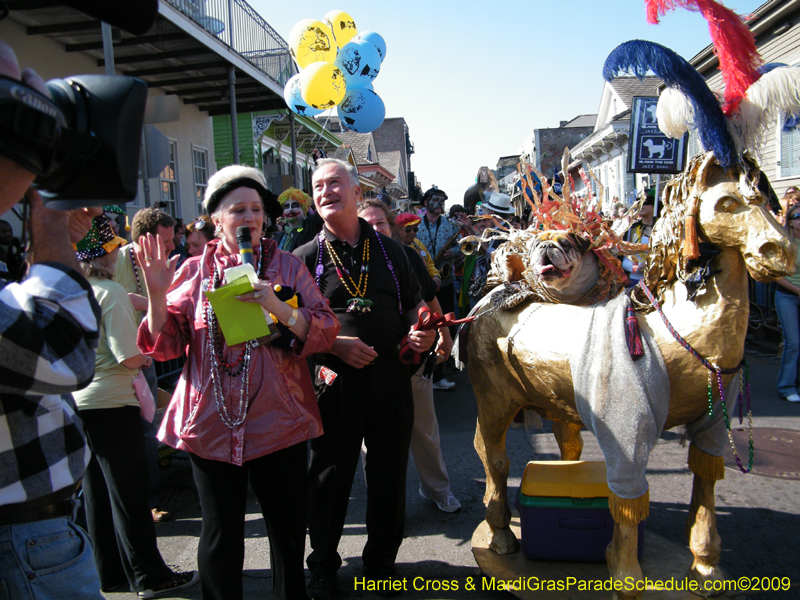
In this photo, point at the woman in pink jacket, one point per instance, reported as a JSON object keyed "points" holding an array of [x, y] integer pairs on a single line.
{"points": [[242, 412]]}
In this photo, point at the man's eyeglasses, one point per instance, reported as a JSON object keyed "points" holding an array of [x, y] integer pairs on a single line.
{"points": [[410, 229]]}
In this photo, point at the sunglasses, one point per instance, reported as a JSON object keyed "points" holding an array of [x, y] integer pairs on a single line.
{"points": [[794, 217], [198, 225], [410, 229]]}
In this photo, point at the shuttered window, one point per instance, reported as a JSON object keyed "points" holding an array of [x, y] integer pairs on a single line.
{"points": [[200, 167], [790, 148]]}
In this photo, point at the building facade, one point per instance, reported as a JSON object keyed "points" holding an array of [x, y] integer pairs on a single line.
{"points": [[544, 147]]}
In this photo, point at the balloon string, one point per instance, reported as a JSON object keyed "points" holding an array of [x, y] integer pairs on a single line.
{"points": [[319, 135]]}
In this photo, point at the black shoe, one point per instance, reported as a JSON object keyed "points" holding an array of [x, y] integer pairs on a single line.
{"points": [[322, 587], [385, 582], [178, 582]]}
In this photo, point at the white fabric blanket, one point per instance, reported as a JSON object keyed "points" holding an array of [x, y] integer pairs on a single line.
{"points": [[623, 402]]}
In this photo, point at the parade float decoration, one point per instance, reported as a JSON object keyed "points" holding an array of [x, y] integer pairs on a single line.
{"points": [[337, 67], [670, 353]]}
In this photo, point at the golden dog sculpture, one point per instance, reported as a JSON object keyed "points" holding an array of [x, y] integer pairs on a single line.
{"points": [[524, 352]]}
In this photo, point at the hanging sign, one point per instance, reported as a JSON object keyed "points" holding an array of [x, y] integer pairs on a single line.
{"points": [[649, 150]]}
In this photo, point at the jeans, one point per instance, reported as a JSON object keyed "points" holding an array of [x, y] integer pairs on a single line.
{"points": [[788, 307], [47, 560]]}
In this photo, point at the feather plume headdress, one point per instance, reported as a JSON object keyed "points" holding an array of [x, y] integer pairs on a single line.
{"points": [[755, 95]]}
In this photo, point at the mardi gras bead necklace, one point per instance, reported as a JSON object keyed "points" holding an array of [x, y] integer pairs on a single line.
{"points": [[357, 304], [241, 366], [135, 268]]}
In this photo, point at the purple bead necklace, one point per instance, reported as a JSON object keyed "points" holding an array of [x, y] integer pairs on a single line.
{"points": [[320, 269]]}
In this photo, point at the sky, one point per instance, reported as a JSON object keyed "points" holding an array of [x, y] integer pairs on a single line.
{"points": [[472, 82]]}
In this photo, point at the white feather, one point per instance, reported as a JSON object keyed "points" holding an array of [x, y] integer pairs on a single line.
{"points": [[776, 94], [675, 113]]}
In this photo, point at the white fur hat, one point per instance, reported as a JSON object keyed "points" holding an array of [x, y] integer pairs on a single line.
{"points": [[229, 178]]}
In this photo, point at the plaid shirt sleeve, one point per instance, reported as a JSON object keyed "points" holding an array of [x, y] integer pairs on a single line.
{"points": [[49, 329], [48, 332]]}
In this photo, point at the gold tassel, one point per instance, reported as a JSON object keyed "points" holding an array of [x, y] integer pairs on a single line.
{"points": [[630, 511], [705, 465], [691, 247]]}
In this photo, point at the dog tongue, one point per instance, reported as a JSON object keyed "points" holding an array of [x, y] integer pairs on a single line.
{"points": [[545, 269], [551, 270]]}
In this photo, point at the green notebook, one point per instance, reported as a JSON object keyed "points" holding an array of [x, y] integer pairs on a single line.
{"points": [[240, 321]]}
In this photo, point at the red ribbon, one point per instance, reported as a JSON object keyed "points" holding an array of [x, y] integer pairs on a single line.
{"points": [[426, 321]]}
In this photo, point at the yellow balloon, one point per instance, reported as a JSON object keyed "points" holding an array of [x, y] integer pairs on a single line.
{"points": [[342, 25], [322, 85], [312, 41]]}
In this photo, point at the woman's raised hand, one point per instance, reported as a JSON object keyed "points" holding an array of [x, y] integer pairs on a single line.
{"points": [[157, 267]]}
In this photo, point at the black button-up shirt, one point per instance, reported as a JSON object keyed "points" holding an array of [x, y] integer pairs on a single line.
{"points": [[383, 327]]}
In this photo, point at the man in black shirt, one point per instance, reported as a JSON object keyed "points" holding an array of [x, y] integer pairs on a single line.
{"points": [[434, 482], [364, 391]]}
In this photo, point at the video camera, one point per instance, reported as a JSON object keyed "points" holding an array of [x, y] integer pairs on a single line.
{"points": [[83, 143]]}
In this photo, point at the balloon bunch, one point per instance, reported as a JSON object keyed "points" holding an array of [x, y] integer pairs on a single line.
{"points": [[337, 67]]}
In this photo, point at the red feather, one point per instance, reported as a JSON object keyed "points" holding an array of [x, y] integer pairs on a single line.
{"points": [[733, 41]]}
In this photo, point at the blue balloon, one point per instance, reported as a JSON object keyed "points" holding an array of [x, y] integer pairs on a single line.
{"points": [[295, 102], [375, 39], [360, 63], [361, 111]]}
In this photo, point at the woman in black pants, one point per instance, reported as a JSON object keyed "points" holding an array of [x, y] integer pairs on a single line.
{"points": [[115, 485], [242, 411]]}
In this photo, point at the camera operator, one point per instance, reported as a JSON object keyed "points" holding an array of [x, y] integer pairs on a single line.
{"points": [[48, 336]]}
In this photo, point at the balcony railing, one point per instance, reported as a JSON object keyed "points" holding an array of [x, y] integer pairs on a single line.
{"points": [[244, 31]]}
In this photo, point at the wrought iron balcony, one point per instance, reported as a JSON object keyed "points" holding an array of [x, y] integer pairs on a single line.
{"points": [[243, 30]]}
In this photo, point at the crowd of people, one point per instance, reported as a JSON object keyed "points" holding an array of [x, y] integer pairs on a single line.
{"points": [[296, 410]]}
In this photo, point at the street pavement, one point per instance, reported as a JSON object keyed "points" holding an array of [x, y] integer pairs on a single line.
{"points": [[758, 517]]}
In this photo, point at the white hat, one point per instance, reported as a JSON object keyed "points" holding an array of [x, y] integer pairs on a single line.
{"points": [[499, 203]]}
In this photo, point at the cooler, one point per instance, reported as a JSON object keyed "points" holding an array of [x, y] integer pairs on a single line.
{"points": [[564, 514]]}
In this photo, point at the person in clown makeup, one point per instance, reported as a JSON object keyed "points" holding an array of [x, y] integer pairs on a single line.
{"points": [[298, 227]]}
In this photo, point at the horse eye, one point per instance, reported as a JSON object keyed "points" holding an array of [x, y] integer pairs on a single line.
{"points": [[727, 205]]}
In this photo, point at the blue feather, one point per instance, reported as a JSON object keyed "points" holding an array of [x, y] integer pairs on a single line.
{"points": [[640, 57], [764, 69]]}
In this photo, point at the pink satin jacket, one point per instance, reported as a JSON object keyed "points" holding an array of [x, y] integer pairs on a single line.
{"points": [[282, 406]]}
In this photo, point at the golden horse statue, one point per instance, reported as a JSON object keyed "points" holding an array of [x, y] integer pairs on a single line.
{"points": [[524, 353]]}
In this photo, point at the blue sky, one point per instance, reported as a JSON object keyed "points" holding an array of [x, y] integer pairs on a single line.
{"points": [[473, 81]]}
